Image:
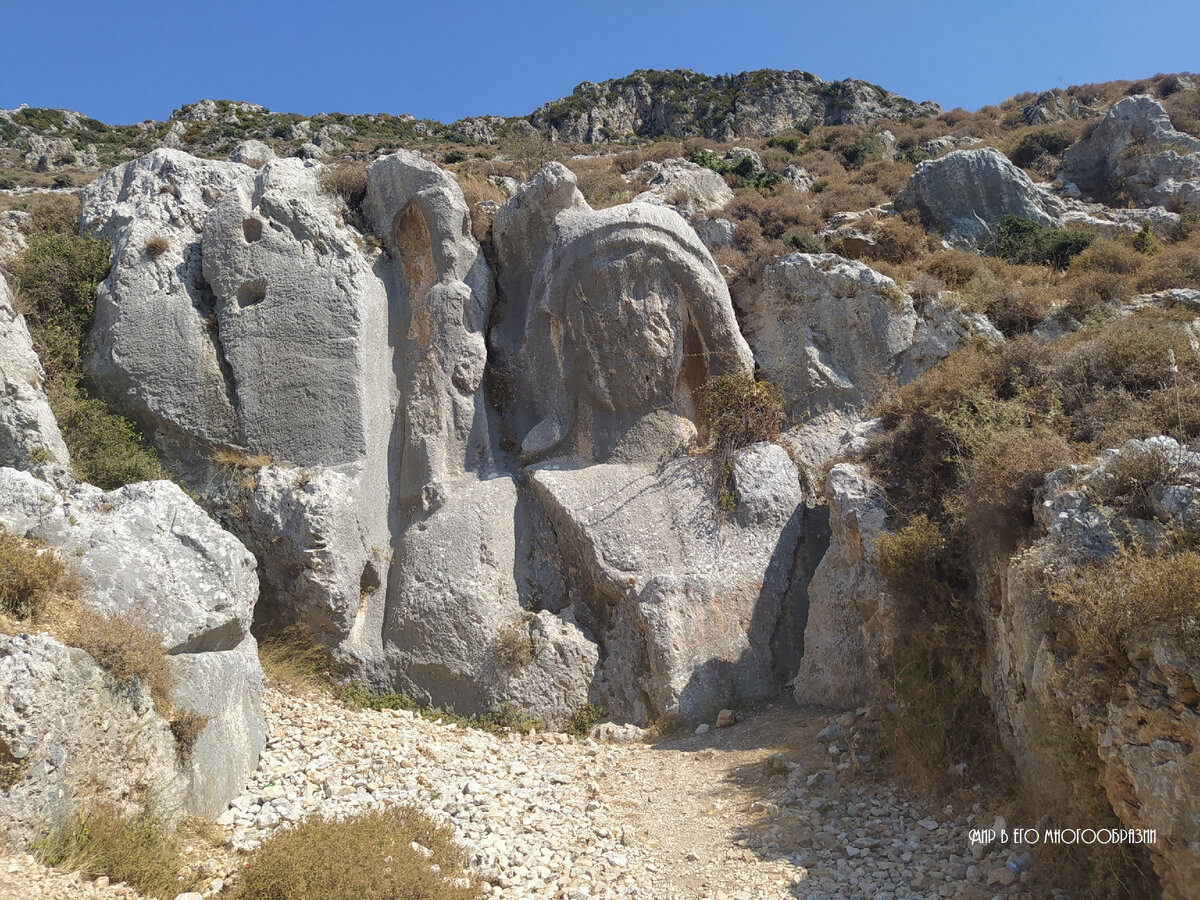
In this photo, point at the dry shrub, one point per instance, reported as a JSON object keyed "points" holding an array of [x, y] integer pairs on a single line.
{"points": [[52, 214], [126, 650], [102, 839], [994, 499], [600, 181], [956, 267], [231, 458], [737, 411], [515, 647], [1016, 309], [1176, 266], [846, 197], [1129, 593], [901, 240], [888, 177], [291, 659], [348, 181], [186, 726], [478, 190], [157, 246], [1087, 293], [1111, 257], [368, 857], [29, 576], [926, 286], [660, 151]]}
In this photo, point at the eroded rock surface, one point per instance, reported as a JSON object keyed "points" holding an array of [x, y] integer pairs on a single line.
{"points": [[1135, 149], [965, 192], [29, 435]]}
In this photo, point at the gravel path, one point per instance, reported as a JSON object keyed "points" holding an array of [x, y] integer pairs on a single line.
{"points": [[772, 807]]}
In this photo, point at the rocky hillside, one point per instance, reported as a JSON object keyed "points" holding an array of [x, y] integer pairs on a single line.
{"points": [[866, 408], [679, 103]]}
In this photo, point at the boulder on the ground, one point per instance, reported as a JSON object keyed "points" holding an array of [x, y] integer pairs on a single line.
{"points": [[147, 552], [1135, 149], [252, 153], [965, 192], [691, 189], [29, 435]]}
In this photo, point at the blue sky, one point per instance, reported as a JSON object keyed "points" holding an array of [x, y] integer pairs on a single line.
{"points": [[126, 60]]}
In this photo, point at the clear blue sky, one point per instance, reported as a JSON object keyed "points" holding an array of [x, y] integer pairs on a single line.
{"points": [[126, 60]]}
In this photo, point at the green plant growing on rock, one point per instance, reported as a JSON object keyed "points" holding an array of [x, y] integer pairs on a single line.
{"points": [[29, 575], [739, 411], [1024, 241]]}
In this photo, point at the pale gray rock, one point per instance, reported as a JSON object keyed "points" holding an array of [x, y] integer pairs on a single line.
{"points": [[442, 295], [262, 332], [318, 564], [309, 150], [252, 153], [765, 485], [611, 321], [798, 177], [687, 609], [1136, 149], [46, 154], [965, 192], [69, 725], [158, 357], [850, 614], [12, 234], [29, 435], [146, 551], [834, 435], [715, 232], [456, 603], [481, 129], [1052, 106], [689, 188], [735, 155], [829, 331]]}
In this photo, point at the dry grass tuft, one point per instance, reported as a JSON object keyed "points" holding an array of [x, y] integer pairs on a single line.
{"points": [[136, 849], [157, 246], [29, 576], [293, 661], [369, 857]]}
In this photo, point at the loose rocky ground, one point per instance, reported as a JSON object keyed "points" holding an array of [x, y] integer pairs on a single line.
{"points": [[772, 807]]}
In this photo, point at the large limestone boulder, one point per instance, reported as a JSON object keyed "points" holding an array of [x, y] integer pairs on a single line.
{"points": [[965, 192], [260, 334], [457, 633], [830, 331], [1137, 150], [29, 435], [850, 613], [610, 322], [691, 189], [690, 610], [68, 724], [146, 551]]}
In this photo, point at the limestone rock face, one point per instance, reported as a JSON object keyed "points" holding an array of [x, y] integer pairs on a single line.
{"points": [[680, 103], [611, 320], [262, 331], [685, 608], [158, 356], [252, 152], [1144, 726], [442, 295], [966, 191], [691, 189], [828, 330], [1137, 149], [29, 435], [148, 552], [67, 723], [850, 623]]}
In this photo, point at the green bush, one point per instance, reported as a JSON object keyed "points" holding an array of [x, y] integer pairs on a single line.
{"points": [[1036, 144], [369, 857], [58, 275], [804, 241], [739, 411], [862, 150], [1023, 241], [454, 156], [584, 720]]}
